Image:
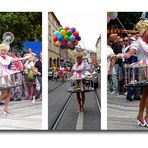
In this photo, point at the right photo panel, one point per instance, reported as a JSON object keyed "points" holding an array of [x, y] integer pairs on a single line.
{"points": [[127, 65]]}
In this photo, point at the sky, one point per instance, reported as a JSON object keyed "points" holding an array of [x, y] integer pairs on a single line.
{"points": [[86, 23]]}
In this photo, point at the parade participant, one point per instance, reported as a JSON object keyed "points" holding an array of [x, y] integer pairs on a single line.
{"points": [[55, 73], [79, 69], [141, 47], [5, 60], [61, 73]]}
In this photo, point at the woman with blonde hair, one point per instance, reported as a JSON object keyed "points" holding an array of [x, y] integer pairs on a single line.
{"points": [[79, 69], [5, 60], [141, 48]]}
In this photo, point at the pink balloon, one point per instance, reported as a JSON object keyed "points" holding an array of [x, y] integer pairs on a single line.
{"points": [[64, 43]]}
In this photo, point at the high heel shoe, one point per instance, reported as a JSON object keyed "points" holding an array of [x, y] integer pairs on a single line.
{"points": [[82, 109], [6, 113], [78, 111], [146, 123], [33, 99], [140, 122]]}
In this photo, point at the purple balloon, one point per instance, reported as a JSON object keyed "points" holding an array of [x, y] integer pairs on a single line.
{"points": [[73, 29], [78, 38]]}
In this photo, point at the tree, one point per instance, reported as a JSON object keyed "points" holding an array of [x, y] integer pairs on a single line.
{"points": [[128, 20], [26, 26]]}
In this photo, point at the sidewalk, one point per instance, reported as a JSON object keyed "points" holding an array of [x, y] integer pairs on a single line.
{"points": [[122, 114], [24, 116]]}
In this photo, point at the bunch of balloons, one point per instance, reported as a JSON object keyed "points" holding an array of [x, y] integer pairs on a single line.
{"points": [[66, 38]]}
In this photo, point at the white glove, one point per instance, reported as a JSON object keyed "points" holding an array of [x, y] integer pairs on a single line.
{"points": [[27, 57], [120, 55]]}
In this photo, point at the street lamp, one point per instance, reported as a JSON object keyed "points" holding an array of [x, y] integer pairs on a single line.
{"points": [[83, 44]]}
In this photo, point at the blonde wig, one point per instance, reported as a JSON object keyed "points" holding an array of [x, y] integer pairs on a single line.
{"points": [[4, 46], [79, 55], [142, 26]]}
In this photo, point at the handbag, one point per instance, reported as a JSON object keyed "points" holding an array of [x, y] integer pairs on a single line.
{"points": [[31, 75]]}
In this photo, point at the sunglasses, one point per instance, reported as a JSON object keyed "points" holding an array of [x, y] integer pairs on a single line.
{"points": [[125, 40]]}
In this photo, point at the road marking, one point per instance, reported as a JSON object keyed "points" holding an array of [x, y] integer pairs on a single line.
{"points": [[79, 125]]}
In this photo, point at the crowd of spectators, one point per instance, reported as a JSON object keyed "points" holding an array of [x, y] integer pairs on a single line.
{"points": [[120, 44]]}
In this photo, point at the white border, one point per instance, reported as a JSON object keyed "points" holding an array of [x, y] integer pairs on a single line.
{"points": [[85, 140], [45, 71]]}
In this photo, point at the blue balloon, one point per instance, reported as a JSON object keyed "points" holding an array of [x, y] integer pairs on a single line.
{"points": [[72, 38], [62, 47], [60, 38], [57, 33]]}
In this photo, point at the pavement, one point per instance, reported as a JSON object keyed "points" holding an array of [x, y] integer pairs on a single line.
{"points": [[121, 114], [24, 116]]}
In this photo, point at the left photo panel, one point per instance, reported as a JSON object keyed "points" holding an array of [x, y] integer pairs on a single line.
{"points": [[20, 70]]}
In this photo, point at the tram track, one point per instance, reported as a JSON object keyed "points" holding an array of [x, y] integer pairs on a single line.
{"points": [[55, 87], [59, 116], [80, 125], [98, 101], [80, 118], [62, 119]]}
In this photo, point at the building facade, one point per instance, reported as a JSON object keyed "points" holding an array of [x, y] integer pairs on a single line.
{"points": [[88, 54], [57, 56], [53, 51]]}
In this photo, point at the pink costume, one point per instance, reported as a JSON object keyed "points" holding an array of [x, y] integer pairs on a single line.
{"points": [[4, 62], [79, 70], [4, 71]]}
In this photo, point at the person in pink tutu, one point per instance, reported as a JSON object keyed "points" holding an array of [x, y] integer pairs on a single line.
{"points": [[140, 46], [5, 73], [79, 69]]}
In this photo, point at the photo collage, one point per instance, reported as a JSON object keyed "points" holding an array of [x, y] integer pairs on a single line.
{"points": [[74, 71]]}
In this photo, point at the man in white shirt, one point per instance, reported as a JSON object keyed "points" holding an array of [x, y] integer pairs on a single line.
{"points": [[112, 76]]}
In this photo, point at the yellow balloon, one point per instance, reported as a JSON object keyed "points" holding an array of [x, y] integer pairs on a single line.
{"points": [[58, 43], [63, 32]]}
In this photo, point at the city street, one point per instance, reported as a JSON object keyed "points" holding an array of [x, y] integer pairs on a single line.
{"points": [[122, 114], [70, 120], [24, 116]]}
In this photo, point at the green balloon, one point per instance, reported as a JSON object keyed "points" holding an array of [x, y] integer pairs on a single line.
{"points": [[66, 38], [69, 32], [61, 28]]}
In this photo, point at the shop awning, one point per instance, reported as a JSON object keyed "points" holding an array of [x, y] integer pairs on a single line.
{"points": [[120, 31]]}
